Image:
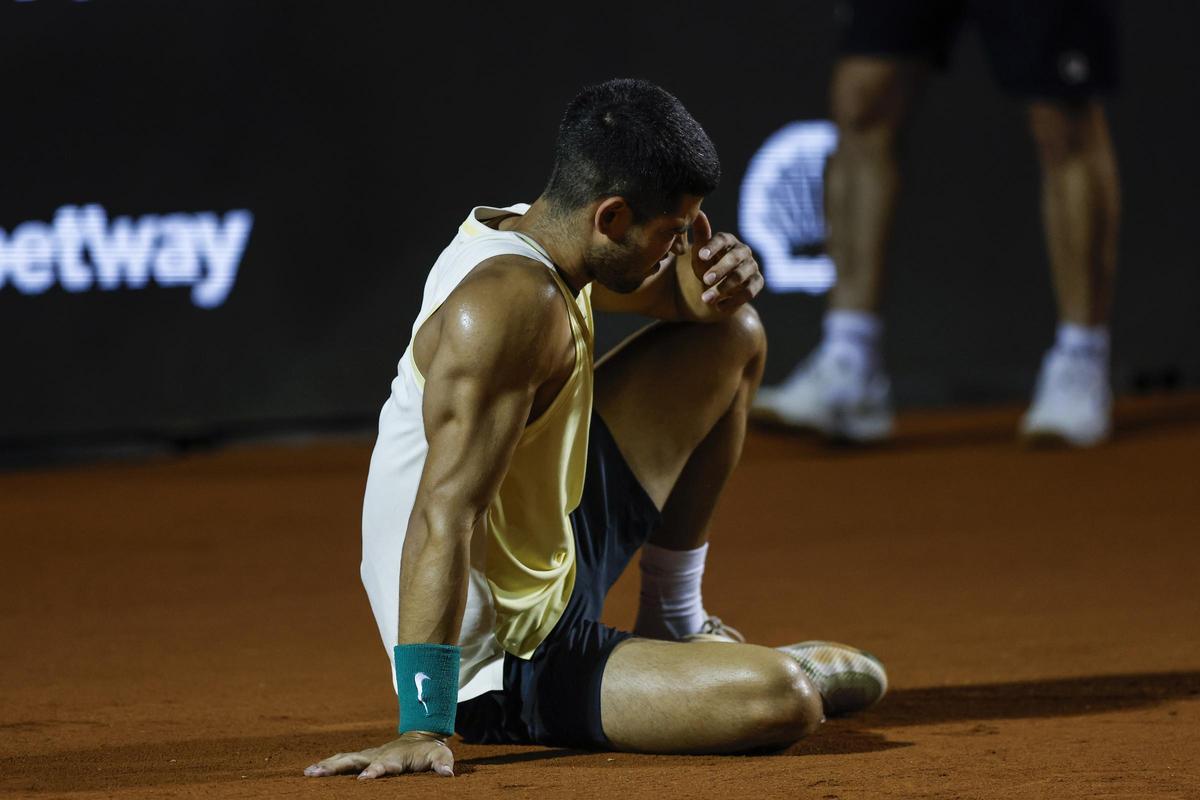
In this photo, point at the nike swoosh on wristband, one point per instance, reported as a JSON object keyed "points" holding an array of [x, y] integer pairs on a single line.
{"points": [[420, 679]]}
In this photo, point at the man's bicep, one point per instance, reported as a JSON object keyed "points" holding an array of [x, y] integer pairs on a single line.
{"points": [[472, 429], [483, 374], [479, 390]]}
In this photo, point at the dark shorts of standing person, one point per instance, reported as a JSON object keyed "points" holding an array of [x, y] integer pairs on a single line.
{"points": [[554, 697], [1052, 49]]}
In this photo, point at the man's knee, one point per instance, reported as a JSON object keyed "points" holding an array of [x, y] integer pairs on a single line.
{"points": [[788, 707], [1063, 130], [737, 343], [746, 328]]}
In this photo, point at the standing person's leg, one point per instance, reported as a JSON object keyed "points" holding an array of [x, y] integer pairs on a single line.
{"points": [[1060, 55], [842, 390], [1080, 206], [1081, 213], [887, 48], [871, 99]]}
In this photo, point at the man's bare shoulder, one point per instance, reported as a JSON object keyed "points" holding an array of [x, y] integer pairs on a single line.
{"points": [[501, 315], [512, 284], [511, 297]]}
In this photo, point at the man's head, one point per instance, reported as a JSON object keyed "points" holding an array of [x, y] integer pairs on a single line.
{"points": [[631, 156]]}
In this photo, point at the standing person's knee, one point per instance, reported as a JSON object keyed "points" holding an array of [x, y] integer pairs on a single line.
{"points": [[788, 707], [1060, 130], [868, 103]]}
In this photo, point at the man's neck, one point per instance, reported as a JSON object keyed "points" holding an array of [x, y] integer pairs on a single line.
{"points": [[553, 235]]}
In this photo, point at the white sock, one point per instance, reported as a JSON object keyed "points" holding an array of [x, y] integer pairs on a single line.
{"points": [[670, 606], [1082, 342], [854, 335]]}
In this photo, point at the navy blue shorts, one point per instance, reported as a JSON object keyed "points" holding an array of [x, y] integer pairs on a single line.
{"points": [[1052, 49], [554, 697]]}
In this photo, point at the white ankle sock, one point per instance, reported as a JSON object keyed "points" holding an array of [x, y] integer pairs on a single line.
{"points": [[854, 335], [1083, 342], [670, 606]]}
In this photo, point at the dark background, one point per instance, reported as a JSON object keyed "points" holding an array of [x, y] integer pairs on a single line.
{"points": [[360, 134]]}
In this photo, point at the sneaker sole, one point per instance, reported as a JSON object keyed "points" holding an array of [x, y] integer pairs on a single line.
{"points": [[844, 430], [1054, 439]]}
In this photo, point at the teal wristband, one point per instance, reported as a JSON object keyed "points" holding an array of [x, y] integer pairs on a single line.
{"points": [[427, 686]]}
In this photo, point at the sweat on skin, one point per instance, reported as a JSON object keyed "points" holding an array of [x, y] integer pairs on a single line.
{"points": [[82, 249]]}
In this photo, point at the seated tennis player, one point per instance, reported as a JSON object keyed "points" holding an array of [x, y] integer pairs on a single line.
{"points": [[513, 480]]}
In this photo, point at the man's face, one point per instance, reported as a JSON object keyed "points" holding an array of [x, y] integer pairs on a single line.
{"points": [[624, 265]]}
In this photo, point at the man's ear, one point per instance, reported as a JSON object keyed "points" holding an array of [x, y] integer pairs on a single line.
{"points": [[613, 218]]}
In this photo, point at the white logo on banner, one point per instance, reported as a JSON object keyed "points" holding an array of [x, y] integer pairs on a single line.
{"points": [[83, 250], [781, 211]]}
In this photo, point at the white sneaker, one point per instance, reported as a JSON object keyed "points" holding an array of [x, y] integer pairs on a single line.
{"points": [[714, 630], [1072, 402], [847, 678], [830, 394]]}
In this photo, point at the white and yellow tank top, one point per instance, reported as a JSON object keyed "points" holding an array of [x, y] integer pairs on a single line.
{"points": [[522, 572]]}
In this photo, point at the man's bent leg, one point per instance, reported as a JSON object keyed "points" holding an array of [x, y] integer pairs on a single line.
{"points": [[676, 399], [705, 697]]}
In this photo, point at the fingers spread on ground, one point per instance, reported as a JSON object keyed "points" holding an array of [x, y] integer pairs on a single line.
{"points": [[340, 764]]}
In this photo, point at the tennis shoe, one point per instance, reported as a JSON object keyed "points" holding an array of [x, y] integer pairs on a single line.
{"points": [[1072, 402], [832, 394], [847, 678], [714, 630]]}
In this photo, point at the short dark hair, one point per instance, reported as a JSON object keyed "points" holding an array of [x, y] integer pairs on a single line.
{"points": [[634, 139]]}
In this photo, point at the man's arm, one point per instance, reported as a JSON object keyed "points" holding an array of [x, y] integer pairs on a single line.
{"points": [[479, 389], [704, 282], [484, 356]]}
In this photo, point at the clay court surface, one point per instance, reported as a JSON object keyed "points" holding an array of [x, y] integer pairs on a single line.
{"points": [[194, 627]]}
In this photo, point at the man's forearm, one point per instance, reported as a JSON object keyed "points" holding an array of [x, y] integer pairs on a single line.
{"points": [[434, 574]]}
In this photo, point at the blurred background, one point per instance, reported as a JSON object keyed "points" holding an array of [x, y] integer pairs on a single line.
{"points": [[218, 216]]}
